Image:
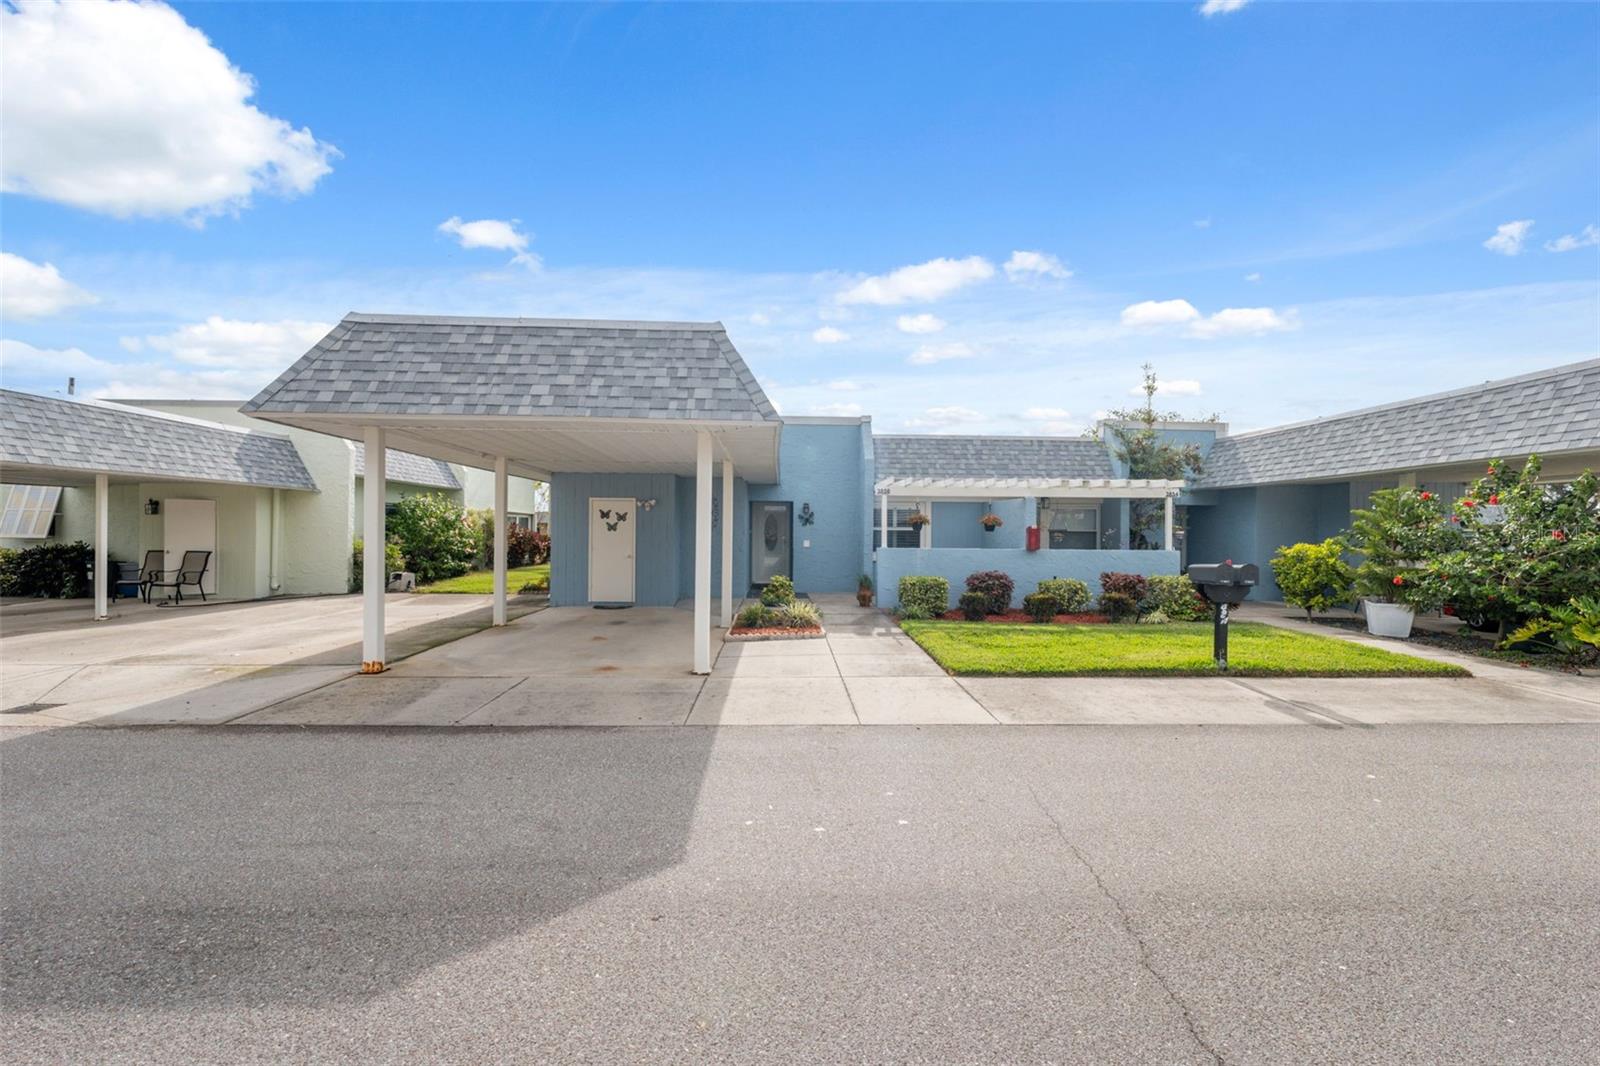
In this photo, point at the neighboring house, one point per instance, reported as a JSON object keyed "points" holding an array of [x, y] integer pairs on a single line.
{"points": [[159, 507]]}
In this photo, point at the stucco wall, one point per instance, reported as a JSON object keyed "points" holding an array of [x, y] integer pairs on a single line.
{"points": [[1250, 525], [1026, 568], [823, 464], [477, 490]]}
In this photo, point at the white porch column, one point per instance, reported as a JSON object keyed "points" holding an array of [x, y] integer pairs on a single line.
{"points": [[883, 524], [727, 543], [500, 541], [1166, 524], [102, 522], [702, 553], [925, 531], [373, 537]]}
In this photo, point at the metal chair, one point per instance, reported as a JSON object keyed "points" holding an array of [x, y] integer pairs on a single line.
{"points": [[150, 571], [191, 571]]}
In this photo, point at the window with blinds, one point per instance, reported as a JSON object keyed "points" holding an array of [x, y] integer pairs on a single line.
{"points": [[900, 534], [30, 511]]}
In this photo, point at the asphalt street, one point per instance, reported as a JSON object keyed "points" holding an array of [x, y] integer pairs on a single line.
{"points": [[1397, 894]]}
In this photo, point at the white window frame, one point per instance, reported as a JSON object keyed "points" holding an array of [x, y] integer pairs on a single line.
{"points": [[30, 511], [906, 536]]}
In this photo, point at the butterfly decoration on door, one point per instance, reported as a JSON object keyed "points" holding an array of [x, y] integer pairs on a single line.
{"points": [[611, 527]]}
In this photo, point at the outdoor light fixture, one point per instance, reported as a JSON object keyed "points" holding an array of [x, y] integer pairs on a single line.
{"points": [[648, 505], [152, 507]]}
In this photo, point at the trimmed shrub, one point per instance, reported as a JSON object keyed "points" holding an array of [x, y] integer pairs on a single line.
{"points": [[1175, 596], [1119, 606], [753, 616], [1156, 617], [1314, 577], [53, 571], [931, 594], [779, 591], [797, 615], [1071, 594], [974, 606], [437, 537], [392, 561], [1133, 586], [914, 613], [1041, 606], [995, 587]]}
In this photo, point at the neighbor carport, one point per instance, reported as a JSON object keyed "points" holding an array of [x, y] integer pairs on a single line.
{"points": [[536, 398]]}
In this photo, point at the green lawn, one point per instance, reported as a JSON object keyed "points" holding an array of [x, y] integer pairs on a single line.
{"points": [[1177, 649], [481, 582]]}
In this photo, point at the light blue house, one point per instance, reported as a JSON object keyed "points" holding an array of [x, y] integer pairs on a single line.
{"points": [[674, 479]]}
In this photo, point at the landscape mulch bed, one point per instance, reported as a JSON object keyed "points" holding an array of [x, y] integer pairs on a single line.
{"points": [[774, 633], [1022, 618], [1478, 646]]}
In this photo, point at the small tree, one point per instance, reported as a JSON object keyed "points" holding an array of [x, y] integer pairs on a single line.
{"points": [[1314, 577], [1525, 547], [1149, 456], [437, 537], [1401, 536]]}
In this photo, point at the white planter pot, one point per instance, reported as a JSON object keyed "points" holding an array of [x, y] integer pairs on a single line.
{"points": [[1388, 619]]}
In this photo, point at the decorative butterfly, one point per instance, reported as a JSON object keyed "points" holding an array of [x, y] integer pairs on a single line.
{"points": [[605, 514], [611, 527], [622, 516]]}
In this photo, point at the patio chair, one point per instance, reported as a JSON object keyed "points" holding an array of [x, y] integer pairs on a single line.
{"points": [[191, 571], [150, 571]]}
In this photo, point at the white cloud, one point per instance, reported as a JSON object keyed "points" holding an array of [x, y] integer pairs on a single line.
{"points": [[1023, 266], [1175, 387], [1509, 237], [843, 385], [1253, 277], [1238, 321], [941, 418], [835, 410], [1046, 414], [46, 370], [127, 110], [1202, 223], [498, 234], [1571, 242], [921, 283], [759, 319], [1221, 7], [1159, 313], [32, 290], [829, 335], [923, 323], [929, 354], [228, 344]]}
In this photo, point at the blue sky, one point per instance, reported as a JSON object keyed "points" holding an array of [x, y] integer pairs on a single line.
{"points": [[952, 218]]}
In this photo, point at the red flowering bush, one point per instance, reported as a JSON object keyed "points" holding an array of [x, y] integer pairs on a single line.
{"points": [[994, 587], [1396, 536]]}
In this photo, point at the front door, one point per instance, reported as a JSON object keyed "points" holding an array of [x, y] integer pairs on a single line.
{"points": [[771, 550], [191, 526], [611, 526]]}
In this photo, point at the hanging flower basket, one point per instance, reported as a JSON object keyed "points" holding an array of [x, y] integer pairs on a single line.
{"points": [[916, 520], [991, 522]]}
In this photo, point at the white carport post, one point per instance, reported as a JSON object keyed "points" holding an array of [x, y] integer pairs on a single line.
{"points": [[727, 543], [1166, 523], [883, 526], [500, 541], [102, 506], [702, 552], [374, 537]]}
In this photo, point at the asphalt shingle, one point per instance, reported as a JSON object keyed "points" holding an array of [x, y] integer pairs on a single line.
{"points": [[1548, 412], [93, 437], [411, 469], [990, 457], [408, 364]]}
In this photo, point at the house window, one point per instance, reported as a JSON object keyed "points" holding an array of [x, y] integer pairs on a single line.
{"points": [[521, 521], [900, 534], [30, 511], [1070, 523]]}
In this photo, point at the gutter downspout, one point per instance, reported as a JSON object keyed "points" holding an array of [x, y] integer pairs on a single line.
{"points": [[275, 545]]}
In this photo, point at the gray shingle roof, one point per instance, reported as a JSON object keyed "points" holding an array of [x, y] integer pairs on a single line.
{"points": [[77, 435], [999, 457], [409, 364], [412, 469], [1547, 412]]}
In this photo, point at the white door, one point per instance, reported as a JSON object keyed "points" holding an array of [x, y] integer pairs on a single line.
{"points": [[190, 526], [611, 534]]}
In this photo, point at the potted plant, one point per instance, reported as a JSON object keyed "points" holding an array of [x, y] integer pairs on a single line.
{"points": [[864, 590], [916, 520], [1397, 537], [991, 522]]}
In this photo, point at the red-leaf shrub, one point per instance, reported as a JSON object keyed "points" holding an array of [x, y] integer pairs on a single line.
{"points": [[995, 587], [1134, 586]]}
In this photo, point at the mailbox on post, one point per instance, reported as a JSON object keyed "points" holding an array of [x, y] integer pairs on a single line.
{"points": [[1224, 585]]}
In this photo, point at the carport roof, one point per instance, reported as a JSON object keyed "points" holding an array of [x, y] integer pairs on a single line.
{"points": [[548, 395], [48, 440], [1548, 412]]}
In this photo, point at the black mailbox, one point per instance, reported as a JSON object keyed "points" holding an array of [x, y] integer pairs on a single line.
{"points": [[1225, 582], [1223, 585]]}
